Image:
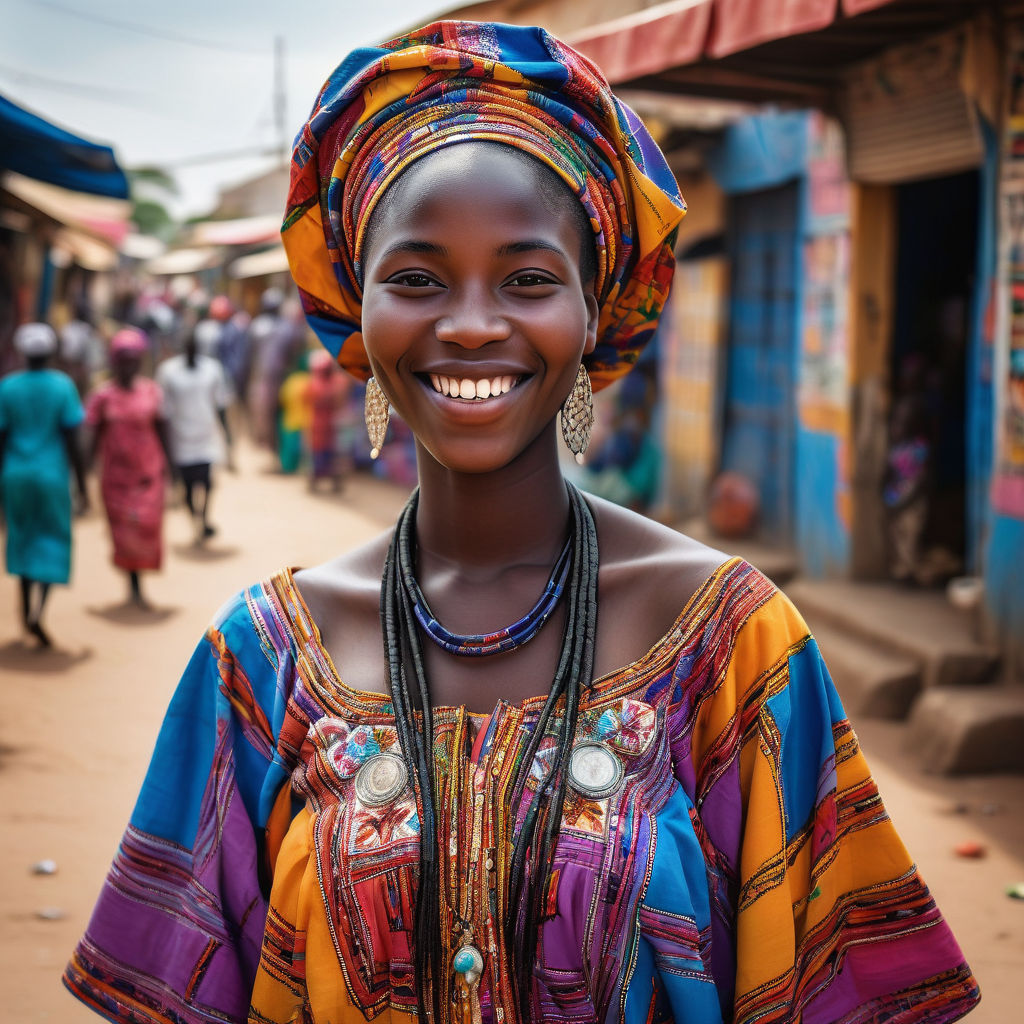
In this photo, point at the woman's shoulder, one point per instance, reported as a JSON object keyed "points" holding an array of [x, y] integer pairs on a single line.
{"points": [[642, 557], [346, 586]]}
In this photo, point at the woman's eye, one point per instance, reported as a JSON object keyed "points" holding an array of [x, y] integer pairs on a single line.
{"points": [[530, 279], [412, 279]]}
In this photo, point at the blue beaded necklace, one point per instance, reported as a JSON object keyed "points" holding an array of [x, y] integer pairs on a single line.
{"points": [[508, 639]]}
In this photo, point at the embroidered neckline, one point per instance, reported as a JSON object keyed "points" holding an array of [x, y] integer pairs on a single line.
{"points": [[309, 644]]}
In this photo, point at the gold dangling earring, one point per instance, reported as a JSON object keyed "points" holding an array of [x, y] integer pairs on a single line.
{"points": [[578, 415], [376, 413]]}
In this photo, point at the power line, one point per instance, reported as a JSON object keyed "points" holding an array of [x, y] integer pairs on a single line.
{"points": [[120, 97], [211, 158], [146, 30]]}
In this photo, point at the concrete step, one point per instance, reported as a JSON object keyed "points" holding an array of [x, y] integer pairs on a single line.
{"points": [[872, 682], [779, 564], [966, 730], [920, 624]]}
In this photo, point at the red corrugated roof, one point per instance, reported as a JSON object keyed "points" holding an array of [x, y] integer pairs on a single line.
{"points": [[681, 32]]}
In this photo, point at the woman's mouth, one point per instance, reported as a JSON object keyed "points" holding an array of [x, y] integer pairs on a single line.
{"points": [[470, 390]]}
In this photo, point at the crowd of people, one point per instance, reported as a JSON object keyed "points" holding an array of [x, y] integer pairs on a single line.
{"points": [[155, 405]]}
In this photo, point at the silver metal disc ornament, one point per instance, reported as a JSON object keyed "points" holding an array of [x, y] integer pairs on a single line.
{"points": [[380, 779], [594, 770]]}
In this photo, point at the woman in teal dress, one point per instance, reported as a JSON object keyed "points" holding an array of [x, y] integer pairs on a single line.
{"points": [[39, 417]]}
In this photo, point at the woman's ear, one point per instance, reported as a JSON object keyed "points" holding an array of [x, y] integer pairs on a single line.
{"points": [[593, 315]]}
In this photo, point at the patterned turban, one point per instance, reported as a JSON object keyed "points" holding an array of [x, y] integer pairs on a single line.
{"points": [[385, 107]]}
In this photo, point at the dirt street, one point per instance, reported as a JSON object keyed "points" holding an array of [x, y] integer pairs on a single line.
{"points": [[78, 724]]}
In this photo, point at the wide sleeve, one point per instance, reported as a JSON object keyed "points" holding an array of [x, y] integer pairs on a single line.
{"points": [[819, 914], [176, 933]]}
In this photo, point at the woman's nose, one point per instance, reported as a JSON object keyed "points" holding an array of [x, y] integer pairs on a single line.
{"points": [[471, 320]]}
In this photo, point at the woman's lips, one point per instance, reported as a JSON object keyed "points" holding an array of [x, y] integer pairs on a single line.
{"points": [[472, 389]]}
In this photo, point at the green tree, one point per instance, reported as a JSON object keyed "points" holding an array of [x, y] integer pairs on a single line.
{"points": [[150, 188]]}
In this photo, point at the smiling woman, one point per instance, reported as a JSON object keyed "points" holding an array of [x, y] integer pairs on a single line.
{"points": [[400, 785]]}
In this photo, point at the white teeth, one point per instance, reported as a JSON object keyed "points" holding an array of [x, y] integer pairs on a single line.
{"points": [[471, 390]]}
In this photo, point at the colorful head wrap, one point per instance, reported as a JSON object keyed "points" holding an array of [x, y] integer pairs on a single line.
{"points": [[128, 341], [385, 107]]}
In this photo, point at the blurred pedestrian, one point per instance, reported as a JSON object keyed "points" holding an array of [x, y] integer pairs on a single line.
{"points": [[906, 486], [130, 437], [328, 391], [234, 343], [81, 352], [40, 413], [267, 371], [296, 416], [196, 396]]}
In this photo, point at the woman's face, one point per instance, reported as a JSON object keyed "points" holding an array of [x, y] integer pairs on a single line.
{"points": [[475, 317], [126, 366]]}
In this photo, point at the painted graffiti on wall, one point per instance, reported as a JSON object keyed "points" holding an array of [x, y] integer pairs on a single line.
{"points": [[823, 379], [824, 352]]}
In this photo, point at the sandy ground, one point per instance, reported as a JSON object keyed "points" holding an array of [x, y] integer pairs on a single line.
{"points": [[78, 724]]}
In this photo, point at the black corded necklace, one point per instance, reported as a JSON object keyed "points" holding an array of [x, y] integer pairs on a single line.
{"points": [[534, 848]]}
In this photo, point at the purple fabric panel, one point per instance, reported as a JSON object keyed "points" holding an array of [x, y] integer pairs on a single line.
{"points": [[874, 970], [722, 816], [721, 813], [232, 877]]}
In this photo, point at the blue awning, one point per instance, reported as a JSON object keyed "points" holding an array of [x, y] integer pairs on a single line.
{"points": [[37, 149]]}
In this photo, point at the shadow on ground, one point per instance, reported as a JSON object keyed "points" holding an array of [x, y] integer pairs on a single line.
{"points": [[126, 614], [23, 656], [204, 552]]}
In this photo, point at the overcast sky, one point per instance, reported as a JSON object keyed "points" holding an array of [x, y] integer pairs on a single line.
{"points": [[195, 77]]}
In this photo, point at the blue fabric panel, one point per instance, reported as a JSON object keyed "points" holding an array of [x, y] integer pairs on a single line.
{"points": [[679, 886], [32, 146], [168, 805], [182, 763], [804, 713]]}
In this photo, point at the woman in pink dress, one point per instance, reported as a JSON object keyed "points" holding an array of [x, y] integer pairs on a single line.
{"points": [[130, 438]]}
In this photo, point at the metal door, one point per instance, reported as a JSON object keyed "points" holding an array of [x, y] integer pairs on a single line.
{"points": [[758, 406]]}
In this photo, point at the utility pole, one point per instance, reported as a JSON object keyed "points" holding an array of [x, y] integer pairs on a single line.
{"points": [[280, 99]]}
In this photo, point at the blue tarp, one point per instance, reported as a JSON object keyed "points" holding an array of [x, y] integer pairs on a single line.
{"points": [[37, 149]]}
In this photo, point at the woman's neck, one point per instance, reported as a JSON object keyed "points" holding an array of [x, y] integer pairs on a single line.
{"points": [[518, 514]]}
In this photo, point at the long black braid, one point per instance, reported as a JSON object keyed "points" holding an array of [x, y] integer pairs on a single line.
{"points": [[533, 853]]}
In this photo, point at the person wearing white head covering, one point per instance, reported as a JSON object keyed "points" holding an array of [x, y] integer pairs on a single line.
{"points": [[35, 340], [40, 413], [196, 397]]}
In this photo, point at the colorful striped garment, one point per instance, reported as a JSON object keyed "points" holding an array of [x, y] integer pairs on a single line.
{"points": [[744, 869], [385, 107]]}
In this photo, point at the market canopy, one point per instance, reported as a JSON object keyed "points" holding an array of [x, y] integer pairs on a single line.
{"points": [[34, 147], [756, 49]]}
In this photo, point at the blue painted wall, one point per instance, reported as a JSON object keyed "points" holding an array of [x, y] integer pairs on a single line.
{"points": [[1004, 587], [756, 154], [823, 537]]}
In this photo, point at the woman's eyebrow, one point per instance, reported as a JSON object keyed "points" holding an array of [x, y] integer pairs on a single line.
{"points": [[412, 245], [528, 245]]}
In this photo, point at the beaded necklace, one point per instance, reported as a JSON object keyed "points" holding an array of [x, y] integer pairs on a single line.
{"points": [[509, 638], [516, 863]]}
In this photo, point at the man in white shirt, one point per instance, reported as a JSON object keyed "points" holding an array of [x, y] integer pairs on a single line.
{"points": [[196, 395]]}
